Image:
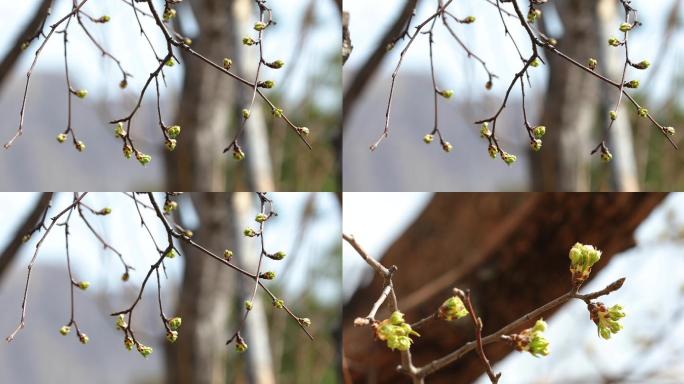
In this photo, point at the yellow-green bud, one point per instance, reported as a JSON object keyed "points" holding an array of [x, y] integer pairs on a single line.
{"points": [[260, 218], [104, 19], [170, 62], [170, 254], [127, 151], [172, 336], [428, 139], [484, 130], [169, 14], [119, 131], [170, 206], [632, 84], [469, 19], [65, 330], [61, 137], [248, 305], [121, 322], [452, 309], [508, 158], [612, 115], [227, 63], [128, 343], [173, 131], [248, 41], [536, 145], [80, 146], [268, 275], [592, 63], [82, 93], [259, 26], [245, 113], [145, 350], [644, 64], [241, 346], [625, 27], [535, 63], [175, 323], [238, 155], [643, 112], [447, 147], [539, 131], [278, 255], [268, 84], [83, 285], [170, 144], [614, 42], [492, 150], [279, 303], [303, 130], [83, 338], [582, 258], [143, 159], [228, 254], [447, 93]]}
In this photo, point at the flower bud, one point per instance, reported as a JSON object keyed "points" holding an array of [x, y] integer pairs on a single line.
{"points": [[539, 131], [532, 340], [170, 206], [626, 27], [61, 137], [428, 139], [248, 305], [643, 112], [248, 41], [492, 150], [169, 13], [277, 113], [170, 254], [123, 84], [238, 155], [249, 232], [508, 158], [268, 84], [469, 20], [170, 144], [80, 146], [396, 318], [241, 346], [484, 130], [632, 84], [669, 131], [172, 336], [82, 93], [278, 255], [170, 62], [268, 275], [592, 63], [228, 254], [259, 26], [245, 113], [614, 42], [128, 343], [145, 350], [65, 330], [606, 319], [452, 309], [227, 63], [447, 147], [447, 93], [83, 285], [305, 321], [535, 63], [279, 303], [175, 323], [173, 131], [105, 211], [536, 145], [127, 151], [582, 258], [125, 276], [104, 19], [119, 131], [644, 64], [303, 130], [83, 338], [606, 156], [612, 115], [121, 322], [276, 64], [143, 159]]}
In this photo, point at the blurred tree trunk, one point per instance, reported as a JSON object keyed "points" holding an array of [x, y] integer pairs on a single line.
{"points": [[204, 104], [571, 98], [509, 249], [199, 355]]}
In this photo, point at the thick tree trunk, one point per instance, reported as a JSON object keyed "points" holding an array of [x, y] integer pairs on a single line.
{"points": [[204, 104], [199, 355], [509, 249], [571, 104]]}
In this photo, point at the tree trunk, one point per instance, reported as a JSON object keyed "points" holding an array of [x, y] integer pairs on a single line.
{"points": [[204, 104], [571, 99], [199, 355], [509, 249]]}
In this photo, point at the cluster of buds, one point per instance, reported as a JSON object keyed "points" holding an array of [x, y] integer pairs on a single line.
{"points": [[582, 258], [606, 319], [452, 309], [395, 332], [531, 340]]}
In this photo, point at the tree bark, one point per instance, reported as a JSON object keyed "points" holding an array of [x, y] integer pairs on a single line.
{"points": [[571, 100], [204, 105], [509, 249], [199, 355]]}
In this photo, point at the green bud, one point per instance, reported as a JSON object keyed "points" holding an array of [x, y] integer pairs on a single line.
{"points": [[105, 211], [248, 41], [278, 255], [259, 26], [508, 158], [128, 343], [644, 64], [170, 144], [626, 27], [228, 254], [447, 147], [227, 63], [175, 323], [277, 113], [61, 137], [143, 159], [121, 322], [277, 64], [268, 275], [632, 84], [606, 156], [279, 303], [83, 338], [452, 309], [169, 13], [582, 258], [249, 232], [260, 218], [172, 336], [104, 19], [539, 131], [65, 330], [469, 19], [170, 254], [396, 318], [643, 112], [145, 350], [612, 115], [492, 150], [428, 139], [533, 15], [80, 146], [170, 206], [606, 319], [592, 63], [173, 131], [484, 131], [248, 305], [241, 346], [119, 131], [447, 93], [614, 42], [170, 62], [127, 151], [245, 113], [268, 84], [81, 93], [535, 63], [238, 155], [536, 145], [83, 285]]}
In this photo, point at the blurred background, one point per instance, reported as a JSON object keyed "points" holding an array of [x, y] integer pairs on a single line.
{"points": [[208, 297], [573, 105], [511, 250], [306, 37]]}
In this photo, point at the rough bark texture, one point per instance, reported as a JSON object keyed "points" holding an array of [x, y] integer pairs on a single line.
{"points": [[199, 355], [571, 104], [496, 245], [204, 105]]}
